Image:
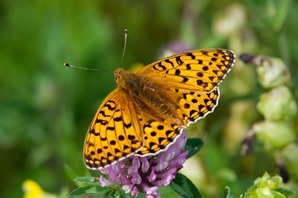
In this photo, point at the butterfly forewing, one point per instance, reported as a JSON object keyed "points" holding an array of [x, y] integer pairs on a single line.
{"points": [[200, 70]]}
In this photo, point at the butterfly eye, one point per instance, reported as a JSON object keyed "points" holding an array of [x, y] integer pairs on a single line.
{"points": [[117, 77]]}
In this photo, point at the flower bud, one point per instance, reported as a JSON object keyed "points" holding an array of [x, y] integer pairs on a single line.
{"points": [[273, 72], [277, 104], [267, 186], [274, 134]]}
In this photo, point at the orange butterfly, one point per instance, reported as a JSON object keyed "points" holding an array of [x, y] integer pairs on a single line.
{"points": [[148, 109]]}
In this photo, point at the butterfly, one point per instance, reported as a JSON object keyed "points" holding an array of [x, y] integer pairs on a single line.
{"points": [[147, 111]]}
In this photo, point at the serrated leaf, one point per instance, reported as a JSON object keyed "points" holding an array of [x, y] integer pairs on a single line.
{"points": [[91, 189], [184, 187], [193, 146], [87, 180]]}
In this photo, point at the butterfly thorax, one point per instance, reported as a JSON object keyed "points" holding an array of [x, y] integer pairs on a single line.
{"points": [[135, 84], [148, 94], [127, 81]]}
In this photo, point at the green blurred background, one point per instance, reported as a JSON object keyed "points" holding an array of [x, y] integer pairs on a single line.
{"points": [[45, 108]]}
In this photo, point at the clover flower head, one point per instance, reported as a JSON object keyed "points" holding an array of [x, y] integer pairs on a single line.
{"points": [[147, 174]]}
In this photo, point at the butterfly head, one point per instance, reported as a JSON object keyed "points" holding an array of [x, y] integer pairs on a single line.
{"points": [[121, 77]]}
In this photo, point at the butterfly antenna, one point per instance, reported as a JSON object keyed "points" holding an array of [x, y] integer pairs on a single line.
{"points": [[124, 48], [84, 68], [93, 69]]}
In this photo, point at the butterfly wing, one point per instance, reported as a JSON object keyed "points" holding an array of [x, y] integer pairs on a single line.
{"points": [[195, 105], [158, 132], [114, 133], [188, 81], [192, 79], [199, 70], [161, 133]]}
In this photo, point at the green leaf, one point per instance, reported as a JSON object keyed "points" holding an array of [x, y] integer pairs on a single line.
{"points": [[282, 13], [285, 192], [184, 187], [230, 193], [193, 145], [89, 190], [70, 171], [122, 194], [114, 194], [87, 180]]}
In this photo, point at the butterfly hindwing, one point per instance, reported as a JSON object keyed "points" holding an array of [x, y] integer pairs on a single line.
{"points": [[158, 134], [114, 133], [195, 105]]}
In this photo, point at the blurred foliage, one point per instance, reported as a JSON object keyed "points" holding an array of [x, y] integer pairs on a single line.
{"points": [[46, 108]]}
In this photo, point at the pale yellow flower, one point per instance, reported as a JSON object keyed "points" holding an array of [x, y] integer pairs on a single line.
{"points": [[33, 190]]}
